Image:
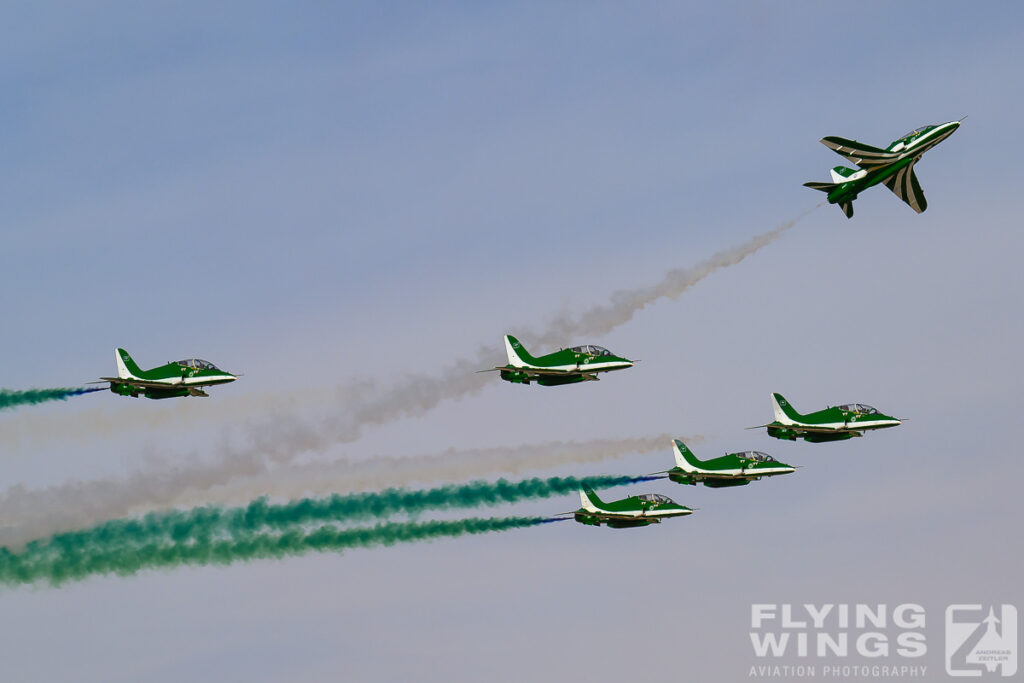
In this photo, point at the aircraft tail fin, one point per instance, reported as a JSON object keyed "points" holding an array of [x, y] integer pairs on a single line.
{"points": [[518, 356], [126, 367], [589, 500], [842, 174], [685, 458], [784, 412]]}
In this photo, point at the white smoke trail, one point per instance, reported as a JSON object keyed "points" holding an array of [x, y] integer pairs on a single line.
{"points": [[624, 304], [348, 475], [365, 403], [30, 514]]}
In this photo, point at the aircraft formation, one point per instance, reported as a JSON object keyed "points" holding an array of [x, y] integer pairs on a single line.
{"points": [[892, 166]]}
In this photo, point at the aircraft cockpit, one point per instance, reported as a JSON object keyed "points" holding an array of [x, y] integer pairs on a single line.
{"points": [[860, 408], [655, 498], [197, 364], [591, 350], [758, 456], [917, 131]]}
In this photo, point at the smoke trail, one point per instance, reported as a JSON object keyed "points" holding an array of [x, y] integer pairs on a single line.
{"points": [[418, 394], [367, 403], [12, 399], [32, 514], [321, 478], [261, 515], [626, 303], [63, 559]]}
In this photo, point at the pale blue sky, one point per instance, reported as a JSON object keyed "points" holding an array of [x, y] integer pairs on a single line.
{"points": [[316, 195]]}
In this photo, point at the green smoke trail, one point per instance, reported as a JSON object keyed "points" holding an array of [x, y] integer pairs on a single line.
{"points": [[75, 556], [212, 521], [217, 535], [12, 399]]}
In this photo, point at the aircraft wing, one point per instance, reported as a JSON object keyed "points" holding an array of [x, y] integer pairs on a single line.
{"points": [[615, 515], [905, 186], [804, 429], [865, 156], [141, 383], [536, 372], [810, 429]]}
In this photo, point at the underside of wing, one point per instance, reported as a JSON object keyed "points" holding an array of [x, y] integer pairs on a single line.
{"points": [[726, 477], [613, 515], [533, 371], [140, 383], [811, 429], [863, 155], [905, 186]]}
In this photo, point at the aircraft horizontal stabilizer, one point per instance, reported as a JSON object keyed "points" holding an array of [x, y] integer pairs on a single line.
{"points": [[824, 187]]}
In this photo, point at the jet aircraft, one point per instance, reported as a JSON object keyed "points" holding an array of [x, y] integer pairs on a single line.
{"points": [[568, 366], [893, 166], [181, 378], [734, 469], [832, 424], [649, 508]]}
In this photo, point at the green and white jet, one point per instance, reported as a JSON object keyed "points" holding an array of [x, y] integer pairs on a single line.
{"points": [[180, 378], [649, 508], [734, 469], [893, 166], [832, 424], [568, 366]]}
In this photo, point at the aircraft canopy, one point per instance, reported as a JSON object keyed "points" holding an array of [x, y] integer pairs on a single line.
{"points": [[862, 408], [758, 456], [592, 350], [917, 131], [197, 363], [654, 498]]}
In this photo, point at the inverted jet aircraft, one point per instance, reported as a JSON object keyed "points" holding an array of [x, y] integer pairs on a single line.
{"points": [[893, 166], [649, 508], [734, 469], [832, 424], [568, 366], [181, 378]]}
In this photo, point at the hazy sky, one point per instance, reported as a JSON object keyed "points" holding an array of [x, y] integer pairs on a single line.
{"points": [[349, 202]]}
